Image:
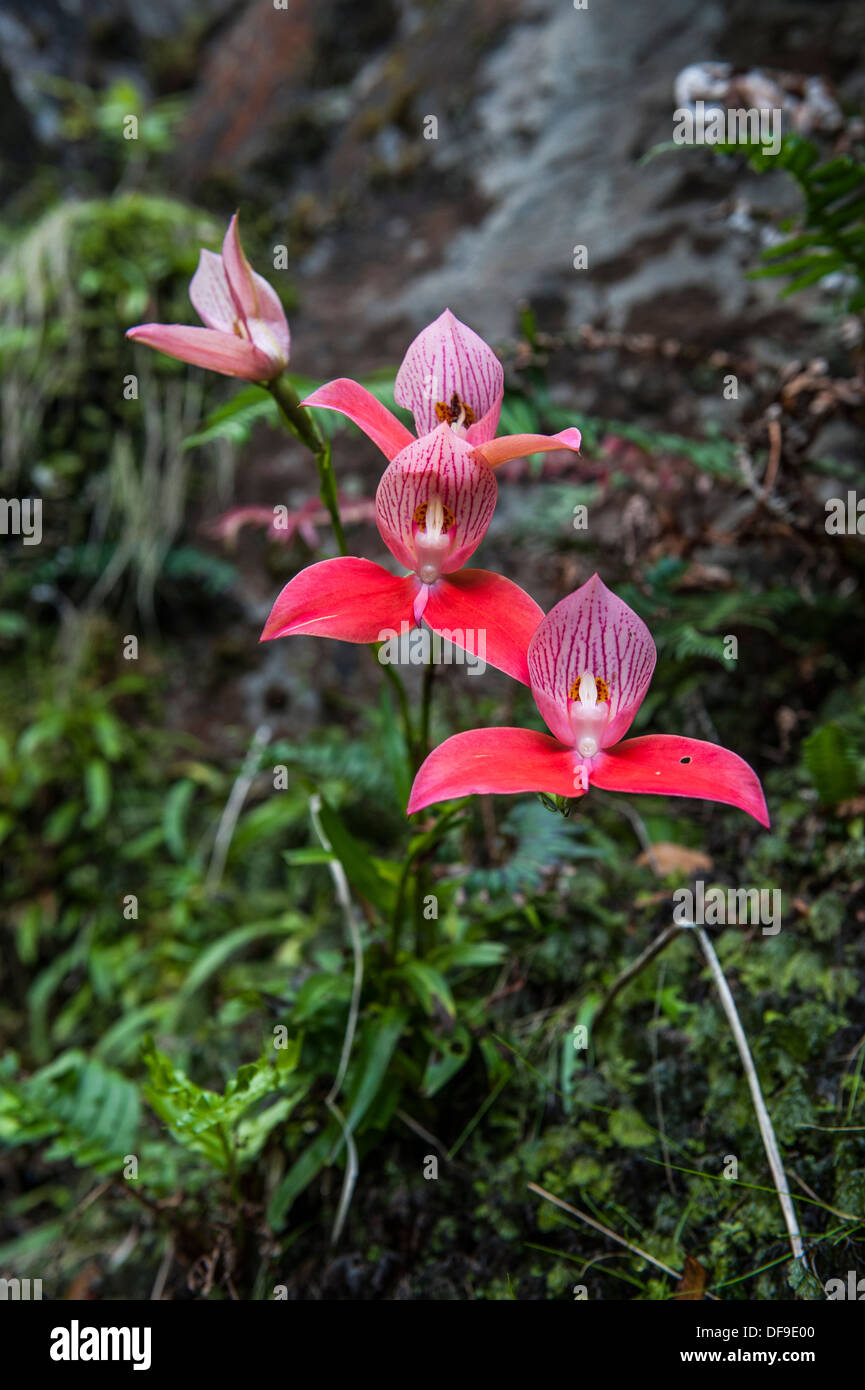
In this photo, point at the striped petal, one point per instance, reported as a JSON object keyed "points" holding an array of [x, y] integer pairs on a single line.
{"points": [[348, 598], [205, 347], [494, 760], [448, 371], [361, 407], [434, 503], [500, 616], [258, 303], [668, 765], [591, 631], [210, 294]]}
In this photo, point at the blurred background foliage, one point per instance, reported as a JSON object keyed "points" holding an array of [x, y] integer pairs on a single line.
{"points": [[175, 970]]}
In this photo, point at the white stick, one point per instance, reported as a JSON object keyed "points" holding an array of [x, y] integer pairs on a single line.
{"points": [[233, 808], [343, 894], [767, 1133]]}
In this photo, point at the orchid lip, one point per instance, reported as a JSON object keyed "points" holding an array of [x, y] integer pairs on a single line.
{"points": [[421, 599]]}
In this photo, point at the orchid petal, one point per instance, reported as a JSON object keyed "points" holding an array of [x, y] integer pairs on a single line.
{"points": [[348, 598], [443, 466], [446, 360], [205, 347], [258, 303], [493, 760], [364, 410], [488, 606], [668, 765], [591, 630], [211, 296], [515, 446]]}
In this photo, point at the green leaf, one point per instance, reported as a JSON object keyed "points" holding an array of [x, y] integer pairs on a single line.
{"points": [[300, 1175], [428, 985], [89, 1113], [308, 855], [317, 992], [174, 816], [813, 276], [447, 1056], [360, 868], [204, 1121], [219, 951], [829, 759], [818, 260], [61, 823], [469, 953], [236, 419], [791, 245], [97, 783], [12, 624], [379, 1036]]}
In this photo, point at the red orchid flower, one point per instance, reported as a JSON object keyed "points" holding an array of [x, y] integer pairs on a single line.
{"points": [[433, 506], [246, 333], [590, 663], [449, 376]]}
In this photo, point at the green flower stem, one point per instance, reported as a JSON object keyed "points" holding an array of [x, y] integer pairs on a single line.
{"points": [[425, 711], [402, 700], [423, 846], [303, 426]]}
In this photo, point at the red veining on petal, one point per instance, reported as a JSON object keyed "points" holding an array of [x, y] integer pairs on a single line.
{"points": [[441, 467], [591, 630]]}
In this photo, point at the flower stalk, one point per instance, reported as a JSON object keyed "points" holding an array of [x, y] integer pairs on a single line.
{"points": [[302, 425]]}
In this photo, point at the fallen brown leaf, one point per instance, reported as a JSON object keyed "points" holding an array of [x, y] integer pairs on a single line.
{"points": [[668, 858], [692, 1284]]}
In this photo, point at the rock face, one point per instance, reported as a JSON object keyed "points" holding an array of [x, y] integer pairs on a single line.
{"points": [[466, 160], [414, 156], [565, 106]]}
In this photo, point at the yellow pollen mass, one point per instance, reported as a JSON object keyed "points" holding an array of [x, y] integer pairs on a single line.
{"points": [[441, 515], [602, 688], [451, 413]]}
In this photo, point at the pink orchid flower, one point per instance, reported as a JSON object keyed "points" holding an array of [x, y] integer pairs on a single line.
{"points": [[304, 522], [590, 663], [434, 503], [449, 376], [246, 333]]}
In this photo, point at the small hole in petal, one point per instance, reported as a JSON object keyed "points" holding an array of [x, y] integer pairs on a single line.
{"points": [[684, 760]]}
